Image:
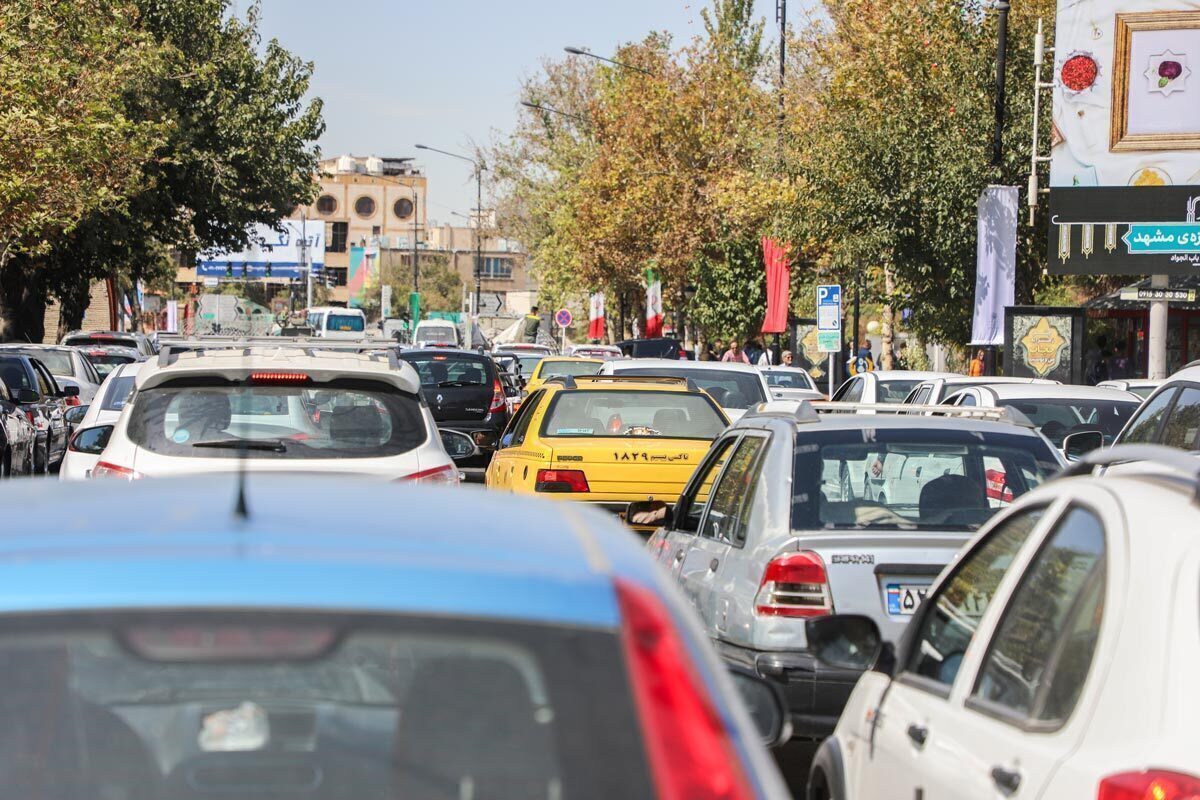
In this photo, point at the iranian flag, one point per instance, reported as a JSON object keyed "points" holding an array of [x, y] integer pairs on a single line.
{"points": [[596, 317], [654, 310]]}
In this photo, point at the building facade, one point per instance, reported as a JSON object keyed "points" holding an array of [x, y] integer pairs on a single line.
{"points": [[506, 284]]}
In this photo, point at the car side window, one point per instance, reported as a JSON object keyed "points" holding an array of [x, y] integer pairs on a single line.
{"points": [[701, 486], [966, 399], [1183, 425], [730, 506], [854, 391], [519, 427], [948, 626], [922, 396], [45, 382], [1143, 428], [1042, 650]]}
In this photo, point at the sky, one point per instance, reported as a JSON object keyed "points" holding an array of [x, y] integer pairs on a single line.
{"points": [[394, 73]]}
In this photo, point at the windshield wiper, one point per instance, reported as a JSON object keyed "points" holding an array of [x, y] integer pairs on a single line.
{"points": [[457, 384], [264, 445]]}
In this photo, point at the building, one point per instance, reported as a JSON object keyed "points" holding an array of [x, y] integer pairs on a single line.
{"points": [[506, 283]]}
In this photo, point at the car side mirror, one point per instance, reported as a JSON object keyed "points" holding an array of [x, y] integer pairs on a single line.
{"points": [[1077, 445], [27, 396], [68, 391], [844, 641], [91, 441], [649, 512], [763, 700], [75, 414], [458, 445]]}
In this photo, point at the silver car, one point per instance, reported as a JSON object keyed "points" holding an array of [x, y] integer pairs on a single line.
{"points": [[794, 515]]}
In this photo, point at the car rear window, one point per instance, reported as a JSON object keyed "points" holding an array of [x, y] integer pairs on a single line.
{"points": [[451, 370], [118, 392], [1057, 419], [591, 413], [57, 361], [788, 380], [912, 479], [439, 334], [324, 707], [553, 368], [107, 362], [84, 340], [730, 389], [345, 323], [213, 418]]}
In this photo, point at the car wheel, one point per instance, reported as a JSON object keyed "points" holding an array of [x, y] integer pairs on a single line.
{"points": [[818, 787]]}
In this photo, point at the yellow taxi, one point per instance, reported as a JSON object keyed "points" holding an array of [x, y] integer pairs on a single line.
{"points": [[607, 439], [561, 367]]}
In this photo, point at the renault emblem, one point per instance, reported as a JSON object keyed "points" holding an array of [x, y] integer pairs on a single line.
{"points": [[439, 399]]}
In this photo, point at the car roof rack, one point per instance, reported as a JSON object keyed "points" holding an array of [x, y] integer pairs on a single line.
{"points": [[666, 380], [170, 351], [985, 414], [1186, 465]]}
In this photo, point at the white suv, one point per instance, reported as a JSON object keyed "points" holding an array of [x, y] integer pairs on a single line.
{"points": [[277, 409], [1050, 660]]}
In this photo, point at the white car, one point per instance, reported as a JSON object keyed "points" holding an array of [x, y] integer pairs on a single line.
{"points": [[883, 387], [522, 349], [335, 322], [276, 409], [791, 383], [1170, 416], [83, 452], [435, 333], [1057, 411], [933, 392], [604, 351], [1142, 387], [735, 387], [1047, 661], [68, 365]]}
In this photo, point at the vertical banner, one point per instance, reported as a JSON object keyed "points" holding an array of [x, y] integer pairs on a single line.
{"points": [[356, 276], [995, 263], [779, 273], [172, 307], [596, 316], [654, 308]]}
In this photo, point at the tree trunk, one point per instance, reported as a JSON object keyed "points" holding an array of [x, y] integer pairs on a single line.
{"points": [[24, 305], [73, 304], [887, 320]]}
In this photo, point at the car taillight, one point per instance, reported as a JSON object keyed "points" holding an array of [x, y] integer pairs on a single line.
{"points": [[105, 469], [280, 378], [1153, 784], [794, 585], [689, 749], [561, 480], [447, 474], [72, 401], [29, 416], [498, 401]]}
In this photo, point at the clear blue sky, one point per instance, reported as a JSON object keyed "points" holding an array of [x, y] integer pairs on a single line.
{"points": [[394, 73]]}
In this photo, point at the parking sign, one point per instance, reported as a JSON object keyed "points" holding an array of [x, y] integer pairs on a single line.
{"points": [[829, 318]]}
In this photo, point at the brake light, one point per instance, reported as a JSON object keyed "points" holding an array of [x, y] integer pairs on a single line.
{"points": [[446, 474], [72, 401], [498, 401], [689, 749], [279, 378], [29, 416], [1153, 784], [794, 585], [561, 481], [104, 469]]}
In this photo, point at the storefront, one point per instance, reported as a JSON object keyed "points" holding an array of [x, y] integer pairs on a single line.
{"points": [[1124, 323]]}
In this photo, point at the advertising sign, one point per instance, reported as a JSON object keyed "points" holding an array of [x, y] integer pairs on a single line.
{"points": [[275, 251], [1044, 342], [1125, 158], [829, 319]]}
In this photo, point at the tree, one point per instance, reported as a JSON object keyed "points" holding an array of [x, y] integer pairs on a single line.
{"points": [[237, 147]]}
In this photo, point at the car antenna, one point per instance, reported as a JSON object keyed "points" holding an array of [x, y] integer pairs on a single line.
{"points": [[239, 509]]}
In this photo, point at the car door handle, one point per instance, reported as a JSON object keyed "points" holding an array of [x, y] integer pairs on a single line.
{"points": [[1006, 780], [712, 565], [918, 734]]}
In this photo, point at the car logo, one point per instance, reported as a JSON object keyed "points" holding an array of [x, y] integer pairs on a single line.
{"points": [[439, 399]]}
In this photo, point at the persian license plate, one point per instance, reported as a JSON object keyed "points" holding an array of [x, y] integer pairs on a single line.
{"points": [[903, 599]]}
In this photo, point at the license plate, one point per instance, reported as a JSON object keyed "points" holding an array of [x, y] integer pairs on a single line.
{"points": [[903, 599]]}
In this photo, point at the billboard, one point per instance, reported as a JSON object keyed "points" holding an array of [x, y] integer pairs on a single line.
{"points": [[276, 250], [1125, 157]]}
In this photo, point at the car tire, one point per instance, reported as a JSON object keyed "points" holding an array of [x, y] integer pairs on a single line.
{"points": [[818, 787]]}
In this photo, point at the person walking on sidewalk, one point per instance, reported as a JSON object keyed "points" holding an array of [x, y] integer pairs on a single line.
{"points": [[735, 353]]}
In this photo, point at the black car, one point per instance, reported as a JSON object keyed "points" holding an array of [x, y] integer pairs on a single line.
{"points": [[465, 393], [38, 394], [18, 437], [654, 348]]}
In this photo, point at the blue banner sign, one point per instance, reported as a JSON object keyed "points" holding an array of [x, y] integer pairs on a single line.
{"points": [[1167, 238]]}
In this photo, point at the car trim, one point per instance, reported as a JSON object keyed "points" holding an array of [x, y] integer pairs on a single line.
{"points": [[910, 569]]}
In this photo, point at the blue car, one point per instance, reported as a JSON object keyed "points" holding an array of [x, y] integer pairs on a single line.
{"points": [[350, 639]]}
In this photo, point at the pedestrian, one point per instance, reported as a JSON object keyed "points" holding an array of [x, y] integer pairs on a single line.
{"points": [[976, 368], [735, 353], [533, 322], [752, 350], [716, 349], [785, 360], [862, 362]]}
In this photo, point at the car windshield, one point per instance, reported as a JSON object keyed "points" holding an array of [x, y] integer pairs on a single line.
{"points": [[895, 391], [596, 412], [57, 361], [1143, 391], [323, 707], [450, 370], [935, 478], [730, 389], [780, 379], [1057, 419], [554, 368], [438, 334], [107, 362], [117, 393], [211, 418], [345, 323]]}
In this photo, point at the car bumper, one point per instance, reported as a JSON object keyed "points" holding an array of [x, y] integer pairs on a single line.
{"points": [[815, 694]]}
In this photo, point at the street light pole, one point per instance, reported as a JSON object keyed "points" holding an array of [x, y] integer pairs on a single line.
{"points": [[1001, 7], [578, 51], [415, 264]]}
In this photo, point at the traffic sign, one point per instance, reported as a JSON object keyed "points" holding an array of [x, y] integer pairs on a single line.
{"points": [[563, 318], [829, 318]]}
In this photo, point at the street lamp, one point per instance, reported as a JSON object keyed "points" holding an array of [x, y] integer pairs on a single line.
{"points": [[576, 51], [479, 168], [553, 110]]}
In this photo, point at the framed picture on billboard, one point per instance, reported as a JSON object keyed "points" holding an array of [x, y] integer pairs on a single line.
{"points": [[1156, 82]]}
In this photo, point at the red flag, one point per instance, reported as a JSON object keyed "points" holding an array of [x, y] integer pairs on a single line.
{"points": [[779, 273], [596, 316]]}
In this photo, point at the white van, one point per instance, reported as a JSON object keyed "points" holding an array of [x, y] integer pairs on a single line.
{"points": [[335, 322], [436, 333]]}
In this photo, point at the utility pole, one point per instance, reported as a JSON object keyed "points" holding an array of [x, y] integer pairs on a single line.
{"points": [[415, 264], [478, 233], [1001, 7], [305, 263]]}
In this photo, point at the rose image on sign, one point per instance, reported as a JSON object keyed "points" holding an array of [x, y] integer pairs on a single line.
{"points": [[1167, 73], [1044, 344]]}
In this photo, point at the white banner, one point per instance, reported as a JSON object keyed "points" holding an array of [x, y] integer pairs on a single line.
{"points": [[995, 263]]}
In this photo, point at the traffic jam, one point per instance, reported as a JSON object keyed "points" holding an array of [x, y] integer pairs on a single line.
{"points": [[345, 567]]}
